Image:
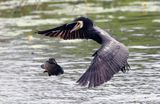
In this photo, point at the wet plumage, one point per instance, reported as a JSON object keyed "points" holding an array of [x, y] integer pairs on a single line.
{"points": [[109, 59], [52, 68]]}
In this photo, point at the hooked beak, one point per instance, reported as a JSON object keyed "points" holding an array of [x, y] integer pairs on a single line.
{"points": [[78, 26], [42, 66]]}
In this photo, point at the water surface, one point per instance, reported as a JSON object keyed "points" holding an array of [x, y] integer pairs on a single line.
{"points": [[134, 23]]}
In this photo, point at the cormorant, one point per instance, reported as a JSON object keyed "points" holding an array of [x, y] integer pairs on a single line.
{"points": [[52, 67], [109, 59]]}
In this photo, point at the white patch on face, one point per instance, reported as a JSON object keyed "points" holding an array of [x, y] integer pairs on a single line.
{"points": [[80, 23], [78, 26]]}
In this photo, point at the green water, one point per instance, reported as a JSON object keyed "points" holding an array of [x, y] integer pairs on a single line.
{"points": [[136, 23]]}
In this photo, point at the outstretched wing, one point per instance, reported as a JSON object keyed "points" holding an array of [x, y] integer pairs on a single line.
{"points": [[107, 62], [64, 32]]}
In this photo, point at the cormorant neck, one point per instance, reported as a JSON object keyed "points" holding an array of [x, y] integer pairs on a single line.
{"points": [[95, 35], [97, 38], [101, 36]]}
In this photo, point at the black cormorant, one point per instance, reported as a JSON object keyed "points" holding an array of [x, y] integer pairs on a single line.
{"points": [[52, 68], [109, 59]]}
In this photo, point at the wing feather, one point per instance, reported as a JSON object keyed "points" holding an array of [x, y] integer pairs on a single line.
{"points": [[64, 32], [107, 62]]}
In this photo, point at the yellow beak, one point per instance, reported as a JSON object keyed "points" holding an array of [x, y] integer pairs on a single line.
{"points": [[78, 26]]}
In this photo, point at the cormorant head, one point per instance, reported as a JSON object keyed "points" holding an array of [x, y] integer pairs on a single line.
{"points": [[82, 23], [52, 61], [51, 67]]}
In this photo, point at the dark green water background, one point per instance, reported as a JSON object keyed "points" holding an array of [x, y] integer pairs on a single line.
{"points": [[136, 23]]}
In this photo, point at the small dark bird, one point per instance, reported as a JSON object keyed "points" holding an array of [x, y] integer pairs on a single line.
{"points": [[109, 59], [52, 67]]}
